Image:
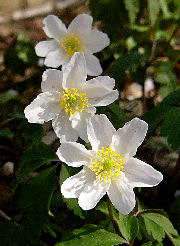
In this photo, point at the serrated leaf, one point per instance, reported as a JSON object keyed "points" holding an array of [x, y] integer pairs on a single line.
{"points": [[132, 7], [153, 7], [96, 238], [153, 224], [72, 203], [33, 158], [128, 226], [154, 229]]}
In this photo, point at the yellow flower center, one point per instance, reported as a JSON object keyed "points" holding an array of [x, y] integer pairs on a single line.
{"points": [[106, 164], [72, 100], [71, 43]]}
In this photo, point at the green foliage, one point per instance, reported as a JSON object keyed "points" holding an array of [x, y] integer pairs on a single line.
{"points": [[33, 201], [154, 7], [22, 51], [165, 76], [128, 226], [95, 238], [34, 157], [166, 116], [132, 7], [131, 62], [157, 225]]}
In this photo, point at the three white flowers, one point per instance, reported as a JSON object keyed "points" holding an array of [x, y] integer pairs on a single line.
{"points": [[69, 101]]}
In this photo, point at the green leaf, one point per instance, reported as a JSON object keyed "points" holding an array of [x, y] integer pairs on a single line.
{"points": [[5, 97], [152, 244], [96, 238], [72, 203], [154, 229], [171, 128], [130, 62], [162, 116], [118, 112], [34, 200], [6, 133], [153, 7], [128, 225], [7, 230], [157, 225], [33, 158], [165, 9], [31, 133], [132, 7]]}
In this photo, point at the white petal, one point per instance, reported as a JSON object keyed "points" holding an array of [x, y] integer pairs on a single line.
{"points": [[52, 81], [93, 65], [56, 58], [75, 72], [99, 86], [127, 139], [44, 108], [80, 122], [140, 174], [73, 186], [74, 154], [107, 99], [100, 131], [44, 47], [121, 195], [63, 129], [92, 193], [96, 41], [81, 24], [53, 27]]}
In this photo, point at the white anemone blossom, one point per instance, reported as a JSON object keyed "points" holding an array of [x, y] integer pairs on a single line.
{"points": [[64, 42], [110, 166], [69, 100]]}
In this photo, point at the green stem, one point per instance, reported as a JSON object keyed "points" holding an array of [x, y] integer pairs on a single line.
{"points": [[116, 227]]}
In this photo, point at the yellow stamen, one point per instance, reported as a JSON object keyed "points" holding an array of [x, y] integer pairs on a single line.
{"points": [[106, 164], [71, 43], [72, 100]]}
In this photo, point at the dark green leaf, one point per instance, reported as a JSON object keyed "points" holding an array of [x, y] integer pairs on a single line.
{"points": [[33, 158], [96, 238], [6, 133], [162, 116], [31, 133], [118, 112], [34, 200]]}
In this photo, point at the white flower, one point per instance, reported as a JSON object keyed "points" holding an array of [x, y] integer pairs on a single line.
{"points": [[79, 36], [68, 99], [110, 166]]}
